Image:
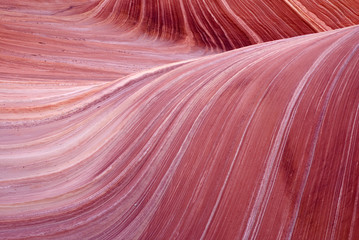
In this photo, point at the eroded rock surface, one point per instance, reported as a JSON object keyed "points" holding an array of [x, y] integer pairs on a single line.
{"points": [[129, 120]]}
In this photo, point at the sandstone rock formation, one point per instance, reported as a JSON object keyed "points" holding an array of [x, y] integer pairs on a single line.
{"points": [[129, 119]]}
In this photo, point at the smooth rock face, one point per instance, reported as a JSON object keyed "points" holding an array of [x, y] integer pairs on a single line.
{"points": [[127, 119]]}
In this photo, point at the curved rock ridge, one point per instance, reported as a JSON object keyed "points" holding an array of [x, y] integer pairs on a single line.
{"points": [[96, 41], [255, 143], [53, 42], [227, 24]]}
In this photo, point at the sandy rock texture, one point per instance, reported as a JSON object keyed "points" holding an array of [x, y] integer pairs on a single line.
{"points": [[188, 119]]}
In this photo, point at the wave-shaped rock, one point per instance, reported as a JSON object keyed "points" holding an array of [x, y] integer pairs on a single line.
{"points": [[124, 120], [39, 45], [260, 142], [227, 24]]}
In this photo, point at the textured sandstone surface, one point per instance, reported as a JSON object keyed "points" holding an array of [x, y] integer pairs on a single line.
{"points": [[130, 119]]}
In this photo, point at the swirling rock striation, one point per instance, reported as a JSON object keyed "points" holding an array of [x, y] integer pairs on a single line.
{"points": [[261, 142], [44, 44], [227, 24]]}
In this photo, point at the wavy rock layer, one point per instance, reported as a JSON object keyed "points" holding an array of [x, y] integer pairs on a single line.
{"points": [[38, 45], [107, 135], [228, 24]]}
